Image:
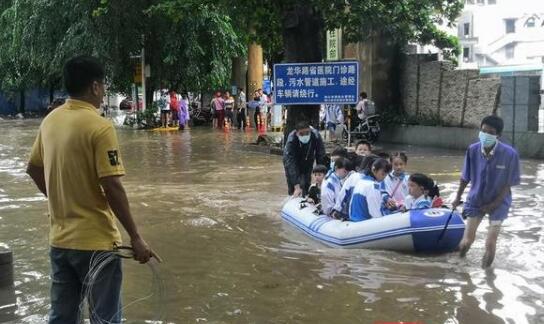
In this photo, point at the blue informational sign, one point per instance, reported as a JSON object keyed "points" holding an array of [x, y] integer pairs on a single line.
{"points": [[316, 83]]}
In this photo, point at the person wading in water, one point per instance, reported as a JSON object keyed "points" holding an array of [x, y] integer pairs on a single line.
{"points": [[304, 146]]}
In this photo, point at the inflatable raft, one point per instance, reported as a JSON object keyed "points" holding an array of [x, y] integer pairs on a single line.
{"points": [[412, 231]]}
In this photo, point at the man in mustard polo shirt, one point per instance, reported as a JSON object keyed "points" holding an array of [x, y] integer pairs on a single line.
{"points": [[75, 162]]}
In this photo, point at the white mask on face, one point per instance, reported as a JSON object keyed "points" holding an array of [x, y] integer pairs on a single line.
{"points": [[304, 139], [487, 140]]}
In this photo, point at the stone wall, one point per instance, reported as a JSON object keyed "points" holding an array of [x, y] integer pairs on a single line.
{"points": [[455, 84], [409, 84], [481, 100], [433, 90]]}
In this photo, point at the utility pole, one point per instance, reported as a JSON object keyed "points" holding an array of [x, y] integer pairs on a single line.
{"points": [[143, 73]]}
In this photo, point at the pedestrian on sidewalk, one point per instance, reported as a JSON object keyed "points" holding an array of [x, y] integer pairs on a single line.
{"points": [[255, 109], [229, 107], [174, 108], [75, 162], [241, 109], [218, 113], [333, 117], [184, 112]]}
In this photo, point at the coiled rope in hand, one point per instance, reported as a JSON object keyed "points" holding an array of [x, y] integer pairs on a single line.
{"points": [[99, 260]]}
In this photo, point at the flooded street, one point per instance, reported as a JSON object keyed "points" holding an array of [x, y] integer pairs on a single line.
{"points": [[211, 210]]}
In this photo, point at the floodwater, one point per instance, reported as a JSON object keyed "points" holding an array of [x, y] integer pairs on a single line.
{"points": [[211, 210]]}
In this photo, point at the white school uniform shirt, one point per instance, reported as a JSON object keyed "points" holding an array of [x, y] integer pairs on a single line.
{"points": [[329, 190], [400, 183], [421, 202], [344, 196], [333, 114], [361, 109], [367, 201]]}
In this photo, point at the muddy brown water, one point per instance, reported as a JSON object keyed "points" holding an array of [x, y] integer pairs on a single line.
{"points": [[211, 210]]}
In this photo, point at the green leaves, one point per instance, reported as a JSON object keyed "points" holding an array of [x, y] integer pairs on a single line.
{"points": [[189, 43]]}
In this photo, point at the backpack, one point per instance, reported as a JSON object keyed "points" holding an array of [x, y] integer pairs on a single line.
{"points": [[370, 108]]}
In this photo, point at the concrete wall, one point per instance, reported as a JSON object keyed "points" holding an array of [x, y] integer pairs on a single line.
{"points": [[36, 101], [433, 90], [528, 144]]}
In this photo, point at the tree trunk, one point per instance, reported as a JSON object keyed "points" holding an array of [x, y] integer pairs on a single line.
{"points": [[51, 93], [22, 102], [254, 68], [302, 39], [149, 95], [239, 68]]}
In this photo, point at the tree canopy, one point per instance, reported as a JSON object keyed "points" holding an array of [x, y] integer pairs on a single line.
{"points": [[189, 43]]}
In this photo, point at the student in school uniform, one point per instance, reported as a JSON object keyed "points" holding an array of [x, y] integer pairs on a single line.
{"points": [[341, 207], [492, 168], [419, 186], [396, 182], [367, 201], [332, 185]]}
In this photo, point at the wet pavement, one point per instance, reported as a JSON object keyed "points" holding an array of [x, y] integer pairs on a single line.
{"points": [[211, 210]]}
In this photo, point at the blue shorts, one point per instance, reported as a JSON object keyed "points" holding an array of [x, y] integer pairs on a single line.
{"points": [[495, 218], [331, 126]]}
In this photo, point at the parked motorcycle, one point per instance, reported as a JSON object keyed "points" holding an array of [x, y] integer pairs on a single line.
{"points": [[367, 129]]}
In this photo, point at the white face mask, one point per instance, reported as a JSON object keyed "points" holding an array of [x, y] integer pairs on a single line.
{"points": [[304, 139], [487, 140]]}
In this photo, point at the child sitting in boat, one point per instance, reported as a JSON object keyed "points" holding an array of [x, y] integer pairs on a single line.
{"points": [[363, 148], [333, 183], [434, 195], [367, 200], [314, 193], [364, 165], [419, 187], [396, 182]]}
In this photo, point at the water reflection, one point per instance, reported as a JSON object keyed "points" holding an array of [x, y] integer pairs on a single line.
{"points": [[211, 209]]}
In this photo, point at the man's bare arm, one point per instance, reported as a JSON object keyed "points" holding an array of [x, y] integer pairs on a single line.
{"points": [[118, 201], [38, 176]]}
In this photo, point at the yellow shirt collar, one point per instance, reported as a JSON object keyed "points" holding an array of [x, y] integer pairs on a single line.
{"points": [[80, 104]]}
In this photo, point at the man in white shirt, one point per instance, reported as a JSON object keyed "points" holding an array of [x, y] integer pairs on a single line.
{"points": [[362, 106]]}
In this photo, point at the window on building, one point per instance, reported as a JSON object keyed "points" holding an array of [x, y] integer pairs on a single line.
{"points": [[510, 25], [530, 22], [491, 1], [481, 1], [466, 54], [466, 29], [509, 51], [469, 1]]}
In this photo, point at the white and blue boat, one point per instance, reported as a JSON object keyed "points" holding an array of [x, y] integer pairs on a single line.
{"points": [[411, 231]]}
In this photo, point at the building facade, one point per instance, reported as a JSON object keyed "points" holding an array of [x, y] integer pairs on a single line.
{"points": [[501, 32]]}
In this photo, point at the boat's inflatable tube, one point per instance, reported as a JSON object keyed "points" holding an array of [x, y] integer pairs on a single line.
{"points": [[413, 231]]}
